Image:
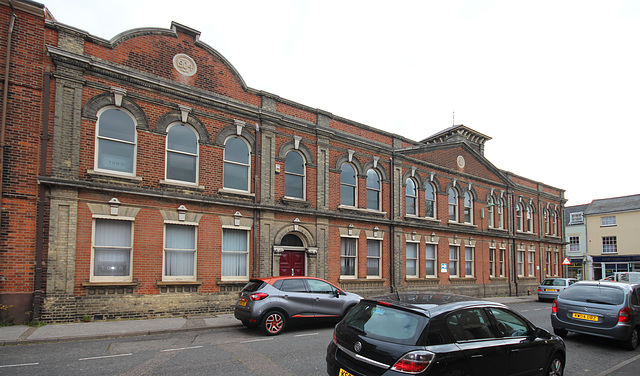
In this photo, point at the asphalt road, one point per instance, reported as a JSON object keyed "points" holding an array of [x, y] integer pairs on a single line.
{"points": [[239, 351]]}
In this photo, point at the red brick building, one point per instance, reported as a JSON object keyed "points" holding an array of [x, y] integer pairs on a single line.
{"points": [[142, 177]]}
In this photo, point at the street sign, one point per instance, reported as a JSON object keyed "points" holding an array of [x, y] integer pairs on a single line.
{"points": [[566, 261], [443, 267]]}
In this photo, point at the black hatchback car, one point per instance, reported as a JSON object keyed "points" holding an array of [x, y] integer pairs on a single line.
{"points": [[440, 334]]}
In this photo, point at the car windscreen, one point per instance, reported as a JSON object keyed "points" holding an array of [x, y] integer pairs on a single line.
{"points": [[386, 323], [608, 295], [252, 286], [553, 282]]}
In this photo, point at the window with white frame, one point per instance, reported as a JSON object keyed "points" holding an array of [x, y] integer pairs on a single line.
{"points": [[576, 218], [348, 185], [412, 260], [294, 175], [453, 260], [236, 164], [182, 154], [608, 221], [502, 208], [431, 260], [492, 262], [468, 261], [556, 263], [519, 216], [548, 266], [116, 139], [373, 258], [348, 257], [574, 243], [609, 244], [468, 207], [521, 263], [501, 269], [430, 201], [411, 197], [112, 250], [554, 223], [491, 212], [179, 252], [235, 254], [374, 190], [531, 263], [546, 222], [453, 205], [529, 218]]}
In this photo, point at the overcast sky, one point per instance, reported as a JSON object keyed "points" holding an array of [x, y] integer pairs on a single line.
{"points": [[555, 84]]}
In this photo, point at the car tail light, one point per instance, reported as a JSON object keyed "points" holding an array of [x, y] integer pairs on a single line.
{"points": [[335, 339], [624, 315], [259, 296], [554, 307], [414, 362]]}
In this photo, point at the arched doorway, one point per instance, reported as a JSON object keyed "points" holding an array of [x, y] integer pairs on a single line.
{"points": [[293, 258]]}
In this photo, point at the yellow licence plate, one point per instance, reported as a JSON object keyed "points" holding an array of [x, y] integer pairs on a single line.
{"points": [[554, 290], [242, 302], [582, 316], [344, 373]]}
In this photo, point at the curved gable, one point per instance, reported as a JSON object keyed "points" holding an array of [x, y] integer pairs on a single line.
{"points": [[153, 51]]}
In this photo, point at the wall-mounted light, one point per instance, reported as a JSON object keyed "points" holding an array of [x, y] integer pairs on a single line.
{"points": [[375, 232], [182, 213], [295, 224], [413, 235], [350, 231], [114, 203], [433, 237], [236, 218]]}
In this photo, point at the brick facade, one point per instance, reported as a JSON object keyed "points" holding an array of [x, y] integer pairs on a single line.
{"points": [[53, 256]]}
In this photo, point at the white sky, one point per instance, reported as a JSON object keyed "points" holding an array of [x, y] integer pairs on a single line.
{"points": [[555, 83]]}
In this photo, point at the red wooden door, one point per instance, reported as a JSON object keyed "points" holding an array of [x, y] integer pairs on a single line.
{"points": [[292, 263]]}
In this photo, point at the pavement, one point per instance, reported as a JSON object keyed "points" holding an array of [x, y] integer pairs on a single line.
{"points": [[24, 334]]}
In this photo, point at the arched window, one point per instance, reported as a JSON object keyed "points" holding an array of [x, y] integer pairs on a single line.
{"points": [[411, 197], [430, 201], [294, 175], [292, 240], [182, 153], [116, 142], [529, 218], [554, 223], [491, 211], [453, 205], [468, 207], [348, 185], [373, 190], [519, 216], [546, 221], [236, 164]]}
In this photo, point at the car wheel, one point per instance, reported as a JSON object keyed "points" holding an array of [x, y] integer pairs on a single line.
{"points": [[632, 342], [561, 332], [556, 366], [273, 323]]}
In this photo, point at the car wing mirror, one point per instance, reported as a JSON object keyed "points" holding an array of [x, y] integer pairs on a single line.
{"points": [[336, 293], [543, 333]]}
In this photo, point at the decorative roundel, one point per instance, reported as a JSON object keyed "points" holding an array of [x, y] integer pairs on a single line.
{"points": [[185, 65], [460, 161]]}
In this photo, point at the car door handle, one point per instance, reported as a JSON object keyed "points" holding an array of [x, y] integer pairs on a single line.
{"points": [[476, 356], [515, 350], [317, 299], [285, 296]]}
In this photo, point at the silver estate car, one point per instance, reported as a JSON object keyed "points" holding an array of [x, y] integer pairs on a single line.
{"points": [[551, 287], [272, 302], [604, 309]]}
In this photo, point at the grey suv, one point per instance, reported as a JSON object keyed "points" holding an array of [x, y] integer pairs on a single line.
{"points": [[272, 302], [604, 309]]}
